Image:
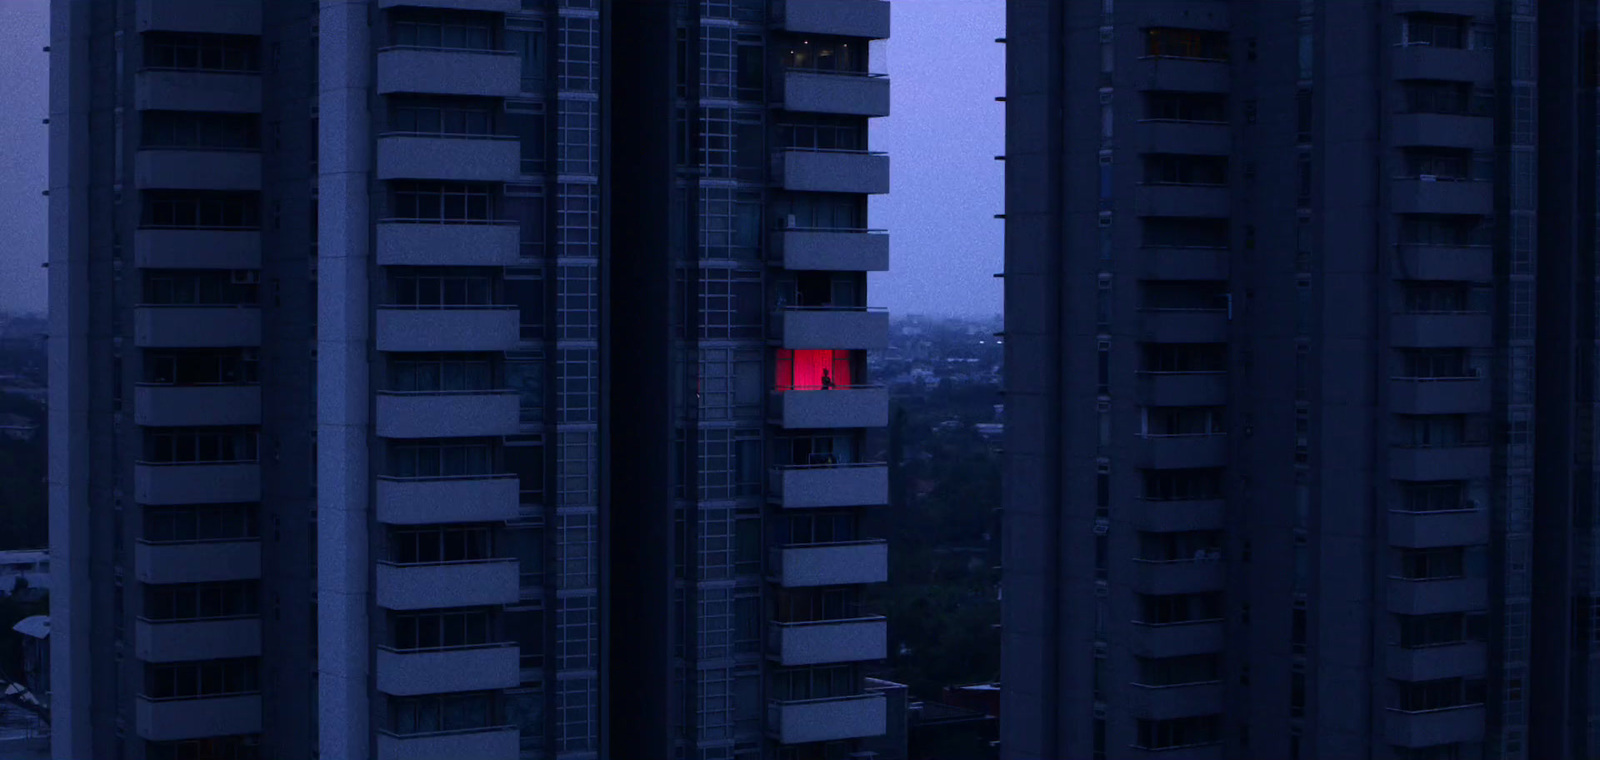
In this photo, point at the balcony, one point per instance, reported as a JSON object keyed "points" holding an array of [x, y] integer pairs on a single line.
{"points": [[196, 483], [1180, 74], [1466, 659], [189, 405], [197, 249], [241, 17], [1441, 330], [197, 561], [1213, 751], [1184, 325], [850, 406], [1441, 130], [458, 158], [495, 743], [1182, 388], [178, 90], [1182, 200], [1440, 63], [1183, 576], [841, 18], [1204, 138], [479, 583], [406, 243], [449, 499], [1176, 639], [440, 671], [1467, 263], [832, 171], [1171, 515], [832, 327], [448, 414], [1179, 701], [1433, 727], [856, 640], [484, 6], [196, 326], [1465, 462], [835, 250], [1167, 452], [1442, 196], [439, 71], [1456, 527], [827, 719], [831, 485], [1482, 9], [197, 169], [1438, 395], [838, 92], [838, 564], [1183, 264], [199, 639], [1426, 597], [480, 328], [162, 720]]}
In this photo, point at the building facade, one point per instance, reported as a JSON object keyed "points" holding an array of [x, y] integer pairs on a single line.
{"points": [[478, 378], [1296, 292]]}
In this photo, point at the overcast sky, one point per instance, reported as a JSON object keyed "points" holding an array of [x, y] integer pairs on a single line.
{"points": [[943, 136]]}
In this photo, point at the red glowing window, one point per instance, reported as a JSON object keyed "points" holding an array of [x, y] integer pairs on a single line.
{"points": [[803, 370]]}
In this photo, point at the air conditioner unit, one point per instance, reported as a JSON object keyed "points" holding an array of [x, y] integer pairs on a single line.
{"points": [[244, 277], [1101, 589], [789, 223], [1428, 177], [1101, 527]]}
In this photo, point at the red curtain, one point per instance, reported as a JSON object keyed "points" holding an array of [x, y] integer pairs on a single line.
{"points": [[803, 369]]}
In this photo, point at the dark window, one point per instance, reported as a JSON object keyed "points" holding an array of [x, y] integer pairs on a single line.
{"points": [[1431, 564], [815, 53], [1179, 732], [1434, 30], [1183, 295], [206, 366], [1435, 363], [822, 132], [447, 458], [440, 630], [1440, 97], [199, 445], [1437, 430], [1433, 496], [1197, 44], [197, 130], [816, 682], [202, 52], [1183, 357], [1184, 232], [441, 116], [425, 373], [198, 601], [1438, 163], [200, 287], [205, 209], [465, 543], [201, 522], [416, 27], [1443, 629], [446, 202], [807, 605], [203, 679], [440, 288], [1179, 169], [1174, 671], [1442, 230], [1441, 694], [446, 712], [1181, 485], [1180, 546], [1202, 107], [1167, 609], [1184, 420]]}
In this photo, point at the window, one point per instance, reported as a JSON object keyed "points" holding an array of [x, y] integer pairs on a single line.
{"points": [[440, 630], [441, 712], [577, 714], [199, 601], [236, 747], [1199, 107], [577, 385], [441, 116], [1434, 30], [1183, 232], [577, 632], [200, 287], [200, 209], [1443, 629], [824, 211], [467, 543], [1179, 169], [1169, 609], [1179, 732], [1439, 163], [1181, 485], [1184, 420], [524, 373], [1438, 430], [1441, 694], [1431, 564], [432, 459], [1183, 357], [525, 289], [822, 132], [1439, 298], [1442, 230], [196, 130], [1177, 295], [579, 64], [238, 366], [577, 220], [416, 27], [822, 54], [526, 122], [1196, 44], [819, 528], [1433, 496], [199, 445], [1439, 97], [529, 42], [203, 679], [577, 561], [201, 522], [816, 682], [435, 288], [441, 202], [1453, 751], [1435, 363], [432, 373], [202, 52], [1180, 546], [1175, 671]]}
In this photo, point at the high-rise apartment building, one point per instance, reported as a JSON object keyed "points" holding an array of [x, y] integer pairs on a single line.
{"points": [[1300, 367], [464, 378]]}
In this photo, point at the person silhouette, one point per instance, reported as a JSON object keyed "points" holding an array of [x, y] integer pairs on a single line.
{"points": [[827, 382]]}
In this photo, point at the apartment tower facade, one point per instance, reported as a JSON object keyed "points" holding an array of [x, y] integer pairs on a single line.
{"points": [[1300, 342], [444, 378]]}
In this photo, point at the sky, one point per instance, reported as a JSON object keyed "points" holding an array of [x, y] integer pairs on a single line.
{"points": [[942, 136]]}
